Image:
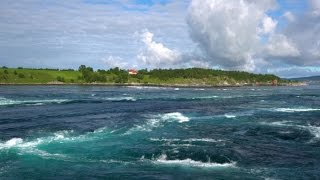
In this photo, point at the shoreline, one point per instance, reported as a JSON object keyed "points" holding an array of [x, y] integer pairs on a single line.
{"points": [[151, 85]]}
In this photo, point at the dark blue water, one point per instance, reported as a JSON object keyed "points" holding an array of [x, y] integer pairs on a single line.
{"points": [[82, 132]]}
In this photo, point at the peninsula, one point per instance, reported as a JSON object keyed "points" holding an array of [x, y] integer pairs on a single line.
{"points": [[191, 77]]}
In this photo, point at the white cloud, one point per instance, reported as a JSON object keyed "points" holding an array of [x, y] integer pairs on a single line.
{"points": [[231, 34], [295, 71], [156, 54], [268, 25], [304, 33], [280, 46], [229, 31], [315, 6], [116, 61], [289, 16], [69, 33], [240, 34]]}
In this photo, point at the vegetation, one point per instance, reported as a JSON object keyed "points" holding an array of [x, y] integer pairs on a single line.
{"points": [[84, 74]]}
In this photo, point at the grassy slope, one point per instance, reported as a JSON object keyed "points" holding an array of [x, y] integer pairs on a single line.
{"points": [[36, 76]]}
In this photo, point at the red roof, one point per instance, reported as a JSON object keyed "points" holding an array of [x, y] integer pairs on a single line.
{"points": [[132, 71]]}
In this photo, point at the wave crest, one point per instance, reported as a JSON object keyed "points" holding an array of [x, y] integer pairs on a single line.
{"points": [[7, 102], [314, 130], [158, 121], [290, 110], [120, 99], [191, 163]]}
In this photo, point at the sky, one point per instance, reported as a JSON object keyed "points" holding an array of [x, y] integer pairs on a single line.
{"points": [[281, 37]]}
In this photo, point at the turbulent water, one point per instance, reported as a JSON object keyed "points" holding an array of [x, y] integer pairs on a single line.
{"points": [[82, 132]]}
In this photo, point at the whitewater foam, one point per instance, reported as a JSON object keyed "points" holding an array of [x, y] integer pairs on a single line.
{"points": [[314, 130], [191, 163], [159, 121], [186, 140], [120, 99], [6, 102], [147, 87], [31, 147], [11, 143], [176, 116], [289, 110], [201, 89], [206, 97], [229, 116], [20, 143]]}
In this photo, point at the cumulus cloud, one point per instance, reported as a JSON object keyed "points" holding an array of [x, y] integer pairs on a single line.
{"points": [[280, 46], [66, 34], [304, 33], [315, 6], [116, 61], [240, 34], [229, 32], [289, 16], [268, 25], [156, 54]]}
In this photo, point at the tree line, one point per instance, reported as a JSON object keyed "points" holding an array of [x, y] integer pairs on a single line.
{"points": [[118, 75], [86, 74]]}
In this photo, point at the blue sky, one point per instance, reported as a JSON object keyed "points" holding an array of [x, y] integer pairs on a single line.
{"points": [[272, 37]]}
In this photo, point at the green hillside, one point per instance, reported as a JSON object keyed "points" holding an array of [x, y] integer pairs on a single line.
{"points": [[188, 77], [15, 75]]}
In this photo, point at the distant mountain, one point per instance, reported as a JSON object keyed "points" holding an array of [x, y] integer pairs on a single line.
{"points": [[311, 78]]}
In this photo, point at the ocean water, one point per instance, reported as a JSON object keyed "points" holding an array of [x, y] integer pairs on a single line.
{"points": [[83, 132]]}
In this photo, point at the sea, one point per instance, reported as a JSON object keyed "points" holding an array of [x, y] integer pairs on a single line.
{"points": [[136, 132]]}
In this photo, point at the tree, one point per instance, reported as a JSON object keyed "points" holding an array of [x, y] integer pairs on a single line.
{"points": [[82, 68], [60, 79], [21, 75]]}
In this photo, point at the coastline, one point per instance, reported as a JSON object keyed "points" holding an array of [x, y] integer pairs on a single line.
{"points": [[153, 85]]}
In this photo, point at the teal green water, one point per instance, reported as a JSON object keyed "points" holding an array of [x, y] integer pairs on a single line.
{"points": [[77, 132]]}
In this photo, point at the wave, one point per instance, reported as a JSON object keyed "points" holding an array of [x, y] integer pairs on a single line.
{"points": [[197, 89], [289, 110], [120, 99], [158, 121], [129, 98], [29, 148], [7, 102], [32, 146], [11, 143], [147, 87], [191, 163], [314, 130], [175, 116], [205, 97], [187, 140], [230, 116]]}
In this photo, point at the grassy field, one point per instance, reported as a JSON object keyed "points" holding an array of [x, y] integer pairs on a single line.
{"points": [[15, 75]]}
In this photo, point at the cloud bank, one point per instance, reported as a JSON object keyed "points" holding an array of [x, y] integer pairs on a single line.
{"points": [[260, 36], [229, 32], [242, 35]]}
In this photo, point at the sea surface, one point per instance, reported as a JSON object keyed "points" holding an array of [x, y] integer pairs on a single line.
{"points": [[97, 132]]}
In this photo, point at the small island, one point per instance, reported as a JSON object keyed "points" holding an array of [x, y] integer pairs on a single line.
{"points": [[190, 77]]}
